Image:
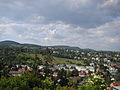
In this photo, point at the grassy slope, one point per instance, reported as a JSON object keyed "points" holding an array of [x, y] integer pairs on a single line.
{"points": [[56, 59], [67, 61]]}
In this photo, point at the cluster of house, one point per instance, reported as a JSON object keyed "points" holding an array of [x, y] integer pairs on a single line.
{"points": [[83, 70], [18, 70], [84, 55]]}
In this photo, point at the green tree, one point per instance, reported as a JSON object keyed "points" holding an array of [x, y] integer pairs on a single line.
{"points": [[107, 78], [72, 83], [13, 83], [93, 83], [5, 72], [48, 56], [36, 62], [47, 83], [117, 76], [25, 82]]}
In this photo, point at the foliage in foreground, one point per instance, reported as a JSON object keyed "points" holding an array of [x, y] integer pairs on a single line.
{"points": [[93, 83], [30, 82]]}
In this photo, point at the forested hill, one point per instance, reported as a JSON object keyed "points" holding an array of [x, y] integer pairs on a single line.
{"points": [[8, 44], [14, 44]]}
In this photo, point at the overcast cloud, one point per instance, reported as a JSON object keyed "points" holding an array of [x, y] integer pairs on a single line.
{"points": [[84, 23]]}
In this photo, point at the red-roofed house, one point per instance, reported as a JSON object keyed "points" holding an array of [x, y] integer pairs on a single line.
{"points": [[115, 86]]}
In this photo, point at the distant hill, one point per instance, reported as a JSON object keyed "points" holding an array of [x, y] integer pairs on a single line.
{"points": [[65, 47], [9, 44], [14, 44]]}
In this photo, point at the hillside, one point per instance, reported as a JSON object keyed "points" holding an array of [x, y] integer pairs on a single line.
{"points": [[9, 44], [13, 44], [16, 44]]}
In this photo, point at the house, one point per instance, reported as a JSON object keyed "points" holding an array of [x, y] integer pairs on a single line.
{"points": [[101, 72], [82, 74], [15, 73], [112, 70], [90, 68], [55, 74], [80, 68], [42, 73], [24, 70], [40, 67], [114, 86], [109, 88]]}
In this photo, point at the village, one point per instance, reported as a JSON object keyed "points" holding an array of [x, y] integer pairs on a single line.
{"points": [[100, 64]]}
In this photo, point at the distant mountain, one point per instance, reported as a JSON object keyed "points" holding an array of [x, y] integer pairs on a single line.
{"points": [[14, 44], [9, 44], [65, 47]]}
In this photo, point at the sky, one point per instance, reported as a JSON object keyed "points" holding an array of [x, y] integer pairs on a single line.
{"points": [[93, 24]]}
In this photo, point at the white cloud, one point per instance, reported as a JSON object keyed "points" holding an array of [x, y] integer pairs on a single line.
{"points": [[109, 3], [46, 39], [84, 23], [103, 37], [52, 32], [35, 19], [113, 40], [5, 20]]}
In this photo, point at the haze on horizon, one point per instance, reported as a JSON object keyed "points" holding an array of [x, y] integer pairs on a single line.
{"points": [[84, 23]]}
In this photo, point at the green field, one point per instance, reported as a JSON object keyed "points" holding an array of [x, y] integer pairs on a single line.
{"points": [[56, 60], [67, 61]]}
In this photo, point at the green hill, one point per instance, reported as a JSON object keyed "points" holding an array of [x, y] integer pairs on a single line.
{"points": [[9, 44], [13, 44]]}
